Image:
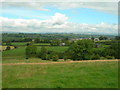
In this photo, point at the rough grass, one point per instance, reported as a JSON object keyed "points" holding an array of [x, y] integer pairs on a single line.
{"points": [[67, 75]]}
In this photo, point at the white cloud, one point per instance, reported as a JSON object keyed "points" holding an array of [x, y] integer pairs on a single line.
{"points": [[108, 7], [60, 0], [57, 23]]}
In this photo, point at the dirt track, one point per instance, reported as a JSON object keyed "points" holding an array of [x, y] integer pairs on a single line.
{"points": [[59, 62]]}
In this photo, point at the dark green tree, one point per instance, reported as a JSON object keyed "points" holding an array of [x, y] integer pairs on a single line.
{"points": [[81, 50], [92, 38], [31, 51], [37, 40], [43, 53], [113, 50]]}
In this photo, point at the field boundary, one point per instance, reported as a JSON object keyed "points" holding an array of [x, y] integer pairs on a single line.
{"points": [[60, 62]]}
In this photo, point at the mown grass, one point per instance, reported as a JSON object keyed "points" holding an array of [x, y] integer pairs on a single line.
{"points": [[64, 75]]}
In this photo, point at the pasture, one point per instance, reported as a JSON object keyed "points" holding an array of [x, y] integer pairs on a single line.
{"points": [[25, 43], [19, 53], [62, 75]]}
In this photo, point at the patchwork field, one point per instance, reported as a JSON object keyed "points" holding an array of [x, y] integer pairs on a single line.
{"points": [[62, 75]]}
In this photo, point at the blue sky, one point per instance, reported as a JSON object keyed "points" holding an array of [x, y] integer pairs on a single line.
{"points": [[77, 15], [60, 17]]}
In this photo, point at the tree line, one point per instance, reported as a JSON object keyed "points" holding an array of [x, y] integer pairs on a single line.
{"points": [[79, 50]]}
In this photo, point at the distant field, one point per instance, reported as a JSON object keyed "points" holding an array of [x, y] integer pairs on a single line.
{"points": [[42, 44], [24, 43], [103, 41], [64, 75], [19, 43]]}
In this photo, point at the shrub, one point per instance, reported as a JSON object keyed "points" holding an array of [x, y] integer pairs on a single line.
{"points": [[15, 47], [55, 57], [8, 48], [110, 57], [61, 55], [44, 56], [65, 58], [102, 58], [47, 57], [95, 57], [43, 53], [31, 51]]}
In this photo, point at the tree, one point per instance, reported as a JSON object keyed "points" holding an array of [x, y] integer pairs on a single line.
{"points": [[43, 53], [113, 50], [117, 37], [55, 57], [37, 40], [103, 38], [92, 38], [95, 57], [31, 51], [8, 43], [81, 50]]}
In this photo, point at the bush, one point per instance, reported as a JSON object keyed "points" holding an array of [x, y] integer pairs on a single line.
{"points": [[55, 57], [8, 48], [95, 57], [27, 44], [110, 57], [102, 58], [43, 53], [65, 58], [61, 55], [47, 57], [15, 47], [31, 51], [44, 56]]}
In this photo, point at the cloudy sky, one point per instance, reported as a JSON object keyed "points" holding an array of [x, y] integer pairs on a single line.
{"points": [[75, 17]]}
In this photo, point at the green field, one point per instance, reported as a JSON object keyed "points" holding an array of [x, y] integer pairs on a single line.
{"points": [[64, 75], [41, 44], [19, 43], [24, 44], [19, 53]]}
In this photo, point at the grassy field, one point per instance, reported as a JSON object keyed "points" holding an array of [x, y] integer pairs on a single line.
{"points": [[41, 44], [24, 44], [64, 75], [19, 53], [19, 43]]}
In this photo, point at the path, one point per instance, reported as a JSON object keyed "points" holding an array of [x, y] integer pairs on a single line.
{"points": [[59, 62]]}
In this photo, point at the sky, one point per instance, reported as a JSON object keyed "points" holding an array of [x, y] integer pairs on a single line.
{"points": [[59, 17]]}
